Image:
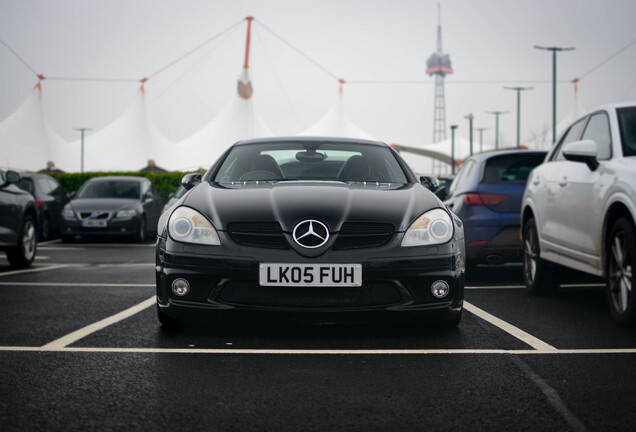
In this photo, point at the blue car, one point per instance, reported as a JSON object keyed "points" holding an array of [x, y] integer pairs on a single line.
{"points": [[486, 195]]}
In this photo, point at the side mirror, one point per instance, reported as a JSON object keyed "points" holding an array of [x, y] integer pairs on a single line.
{"points": [[582, 151], [191, 180], [11, 177], [431, 183]]}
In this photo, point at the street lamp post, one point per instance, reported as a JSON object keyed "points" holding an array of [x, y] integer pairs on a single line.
{"points": [[497, 114], [481, 138], [554, 98], [82, 160], [470, 118], [518, 90], [453, 127]]}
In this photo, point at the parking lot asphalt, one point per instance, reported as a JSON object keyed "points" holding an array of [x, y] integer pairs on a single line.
{"points": [[81, 348]]}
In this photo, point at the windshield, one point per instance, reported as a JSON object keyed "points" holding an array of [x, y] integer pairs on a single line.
{"points": [[110, 189], [332, 161]]}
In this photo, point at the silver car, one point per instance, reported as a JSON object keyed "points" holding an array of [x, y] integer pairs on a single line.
{"points": [[579, 208]]}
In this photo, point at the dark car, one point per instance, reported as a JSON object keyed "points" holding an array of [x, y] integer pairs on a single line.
{"points": [[309, 229], [18, 221], [112, 206], [486, 195], [50, 198], [174, 197]]}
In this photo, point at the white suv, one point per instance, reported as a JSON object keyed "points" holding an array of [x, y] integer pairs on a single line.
{"points": [[579, 208]]}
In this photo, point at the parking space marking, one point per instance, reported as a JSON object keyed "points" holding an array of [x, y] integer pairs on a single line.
{"points": [[92, 328], [35, 270], [495, 287], [78, 284], [527, 338], [49, 242], [265, 351]]}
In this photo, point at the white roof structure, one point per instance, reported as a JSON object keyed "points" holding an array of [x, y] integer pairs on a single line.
{"points": [[425, 165], [236, 121], [128, 143], [336, 124], [28, 143]]}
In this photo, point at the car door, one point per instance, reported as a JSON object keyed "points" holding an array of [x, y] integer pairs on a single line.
{"points": [[58, 201], [9, 213], [579, 209], [544, 186]]}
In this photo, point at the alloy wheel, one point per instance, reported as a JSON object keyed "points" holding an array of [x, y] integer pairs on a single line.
{"points": [[29, 240], [530, 255], [620, 272]]}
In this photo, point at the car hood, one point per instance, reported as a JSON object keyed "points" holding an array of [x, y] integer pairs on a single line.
{"points": [[332, 203], [103, 204]]}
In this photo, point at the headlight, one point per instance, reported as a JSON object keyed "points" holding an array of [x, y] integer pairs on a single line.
{"points": [[189, 226], [126, 213], [433, 227], [68, 213]]}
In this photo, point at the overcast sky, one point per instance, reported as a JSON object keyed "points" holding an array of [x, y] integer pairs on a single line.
{"points": [[358, 40]]}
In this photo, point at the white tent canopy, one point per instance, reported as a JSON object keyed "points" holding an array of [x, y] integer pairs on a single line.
{"points": [[237, 120], [336, 124], [425, 165], [28, 143], [130, 142]]}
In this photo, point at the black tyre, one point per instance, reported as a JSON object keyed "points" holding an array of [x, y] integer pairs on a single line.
{"points": [[168, 323], [45, 228], [23, 254], [541, 277], [141, 235], [620, 263]]}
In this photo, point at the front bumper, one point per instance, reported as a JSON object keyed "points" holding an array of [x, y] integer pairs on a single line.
{"points": [[114, 227], [396, 284]]}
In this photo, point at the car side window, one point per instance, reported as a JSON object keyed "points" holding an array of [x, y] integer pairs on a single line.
{"points": [[598, 130], [463, 174], [574, 134], [56, 188], [145, 187], [45, 186]]}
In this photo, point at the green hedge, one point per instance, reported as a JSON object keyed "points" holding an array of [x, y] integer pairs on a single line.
{"points": [[165, 182]]}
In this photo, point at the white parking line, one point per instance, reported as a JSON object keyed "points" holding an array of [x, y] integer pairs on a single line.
{"points": [[77, 284], [35, 270], [527, 338], [265, 351], [49, 242], [83, 332], [495, 287]]}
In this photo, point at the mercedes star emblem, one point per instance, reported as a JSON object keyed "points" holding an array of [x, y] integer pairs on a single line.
{"points": [[311, 234]]}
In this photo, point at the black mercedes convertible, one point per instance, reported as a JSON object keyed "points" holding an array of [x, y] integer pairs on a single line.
{"points": [[311, 230]]}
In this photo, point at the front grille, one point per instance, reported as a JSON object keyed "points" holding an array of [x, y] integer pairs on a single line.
{"points": [[258, 234], [357, 235], [252, 294], [98, 215]]}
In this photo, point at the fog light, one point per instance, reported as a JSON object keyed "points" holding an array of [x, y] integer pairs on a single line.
{"points": [[180, 287], [440, 289]]}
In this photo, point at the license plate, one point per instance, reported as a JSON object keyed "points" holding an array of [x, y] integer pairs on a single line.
{"points": [[341, 275], [94, 223]]}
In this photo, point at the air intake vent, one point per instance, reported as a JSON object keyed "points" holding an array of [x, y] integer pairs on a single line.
{"points": [[258, 234], [356, 235]]}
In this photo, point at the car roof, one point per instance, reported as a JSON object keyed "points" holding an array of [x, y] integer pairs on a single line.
{"points": [[315, 139], [111, 178], [479, 157]]}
